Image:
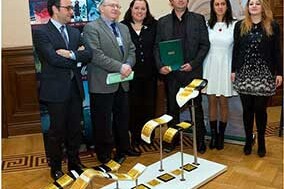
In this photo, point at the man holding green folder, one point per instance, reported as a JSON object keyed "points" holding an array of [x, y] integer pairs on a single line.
{"points": [[190, 29]]}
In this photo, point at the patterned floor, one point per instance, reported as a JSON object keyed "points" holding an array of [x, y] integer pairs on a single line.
{"points": [[35, 161], [273, 129]]}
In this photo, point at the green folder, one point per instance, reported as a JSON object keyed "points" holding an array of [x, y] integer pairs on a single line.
{"points": [[116, 78], [171, 53]]}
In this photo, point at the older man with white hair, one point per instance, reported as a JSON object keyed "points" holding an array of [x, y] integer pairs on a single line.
{"points": [[113, 52]]}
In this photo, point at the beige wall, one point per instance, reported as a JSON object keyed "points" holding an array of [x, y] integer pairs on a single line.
{"points": [[16, 30], [157, 7]]}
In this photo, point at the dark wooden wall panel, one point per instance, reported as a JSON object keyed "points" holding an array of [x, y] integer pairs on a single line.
{"points": [[277, 8], [21, 108]]}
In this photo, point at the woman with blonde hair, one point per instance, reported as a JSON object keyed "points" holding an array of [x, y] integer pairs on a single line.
{"points": [[256, 68]]}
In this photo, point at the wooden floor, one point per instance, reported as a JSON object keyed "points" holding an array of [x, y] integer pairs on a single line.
{"points": [[243, 171]]}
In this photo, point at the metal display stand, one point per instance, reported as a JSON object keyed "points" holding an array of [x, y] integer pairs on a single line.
{"points": [[161, 150], [181, 156], [194, 133]]}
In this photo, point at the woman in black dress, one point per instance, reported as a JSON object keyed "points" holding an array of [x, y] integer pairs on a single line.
{"points": [[142, 95], [256, 68]]}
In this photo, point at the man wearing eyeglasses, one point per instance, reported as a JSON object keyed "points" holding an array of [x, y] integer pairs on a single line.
{"points": [[60, 48], [113, 51]]}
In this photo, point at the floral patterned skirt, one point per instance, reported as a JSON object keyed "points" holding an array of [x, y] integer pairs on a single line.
{"points": [[255, 78]]}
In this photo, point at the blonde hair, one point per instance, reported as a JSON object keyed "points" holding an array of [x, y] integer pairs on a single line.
{"points": [[267, 18]]}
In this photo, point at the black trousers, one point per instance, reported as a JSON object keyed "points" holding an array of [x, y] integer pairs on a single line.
{"points": [[174, 82], [142, 99], [110, 114], [254, 106], [65, 128]]}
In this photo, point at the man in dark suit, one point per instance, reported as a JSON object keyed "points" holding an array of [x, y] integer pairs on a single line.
{"points": [[113, 51], [191, 29], [61, 51]]}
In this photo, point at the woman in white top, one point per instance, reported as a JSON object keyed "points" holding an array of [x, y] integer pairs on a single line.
{"points": [[217, 68]]}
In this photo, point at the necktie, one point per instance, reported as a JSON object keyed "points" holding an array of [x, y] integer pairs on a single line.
{"points": [[64, 36], [113, 26]]}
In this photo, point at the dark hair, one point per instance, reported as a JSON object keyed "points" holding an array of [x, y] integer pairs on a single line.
{"points": [[147, 20], [228, 17], [50, 3]]}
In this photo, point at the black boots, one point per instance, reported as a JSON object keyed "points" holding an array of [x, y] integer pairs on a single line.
{"points": [[201, 147], [261, 145], [214, 134], [248, 145], [217, 139], [221, 135]]}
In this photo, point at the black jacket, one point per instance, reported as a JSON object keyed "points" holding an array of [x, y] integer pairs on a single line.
{"points": [[196, 38], [55, 77], [269, 49], [145, 66]]}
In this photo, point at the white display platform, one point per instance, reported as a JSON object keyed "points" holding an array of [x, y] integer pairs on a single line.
{"points": [[206, 171]]}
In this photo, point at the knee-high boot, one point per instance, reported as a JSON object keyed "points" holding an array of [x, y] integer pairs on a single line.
{"points": [[249, 143], [249, 137], [261, 145], [220, 141], [214, 134]]}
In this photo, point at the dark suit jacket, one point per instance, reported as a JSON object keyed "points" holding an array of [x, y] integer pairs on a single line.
{"points": [[145, 67], [269, 49], [196, 37], [55, 77]]}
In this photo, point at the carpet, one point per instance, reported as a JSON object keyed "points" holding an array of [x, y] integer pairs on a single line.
{"points": [[272, 129], [36, 161]]}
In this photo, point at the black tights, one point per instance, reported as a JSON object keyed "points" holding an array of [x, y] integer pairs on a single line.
{"points": [[254, 106]]}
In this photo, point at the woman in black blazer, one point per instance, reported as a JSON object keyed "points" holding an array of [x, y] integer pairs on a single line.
{"points": [[142, 95], [256, 68]]}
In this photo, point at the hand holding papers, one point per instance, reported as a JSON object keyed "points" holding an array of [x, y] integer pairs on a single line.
{"points": [[116, 78], [171, 53], [190, 91], [151, 125]]}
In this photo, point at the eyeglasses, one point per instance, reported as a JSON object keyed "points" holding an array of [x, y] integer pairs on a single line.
{"points": [[68, 8], [113, 5]]}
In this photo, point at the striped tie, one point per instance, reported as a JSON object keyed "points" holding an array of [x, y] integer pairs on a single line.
{"points": [[113, 26], [64, 36]]}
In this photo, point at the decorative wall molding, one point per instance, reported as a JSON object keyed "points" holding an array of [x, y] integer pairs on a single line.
{"points": [[20, 108]]}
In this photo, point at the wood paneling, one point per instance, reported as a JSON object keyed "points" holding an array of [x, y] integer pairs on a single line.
{"points": [[20, 107]]}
